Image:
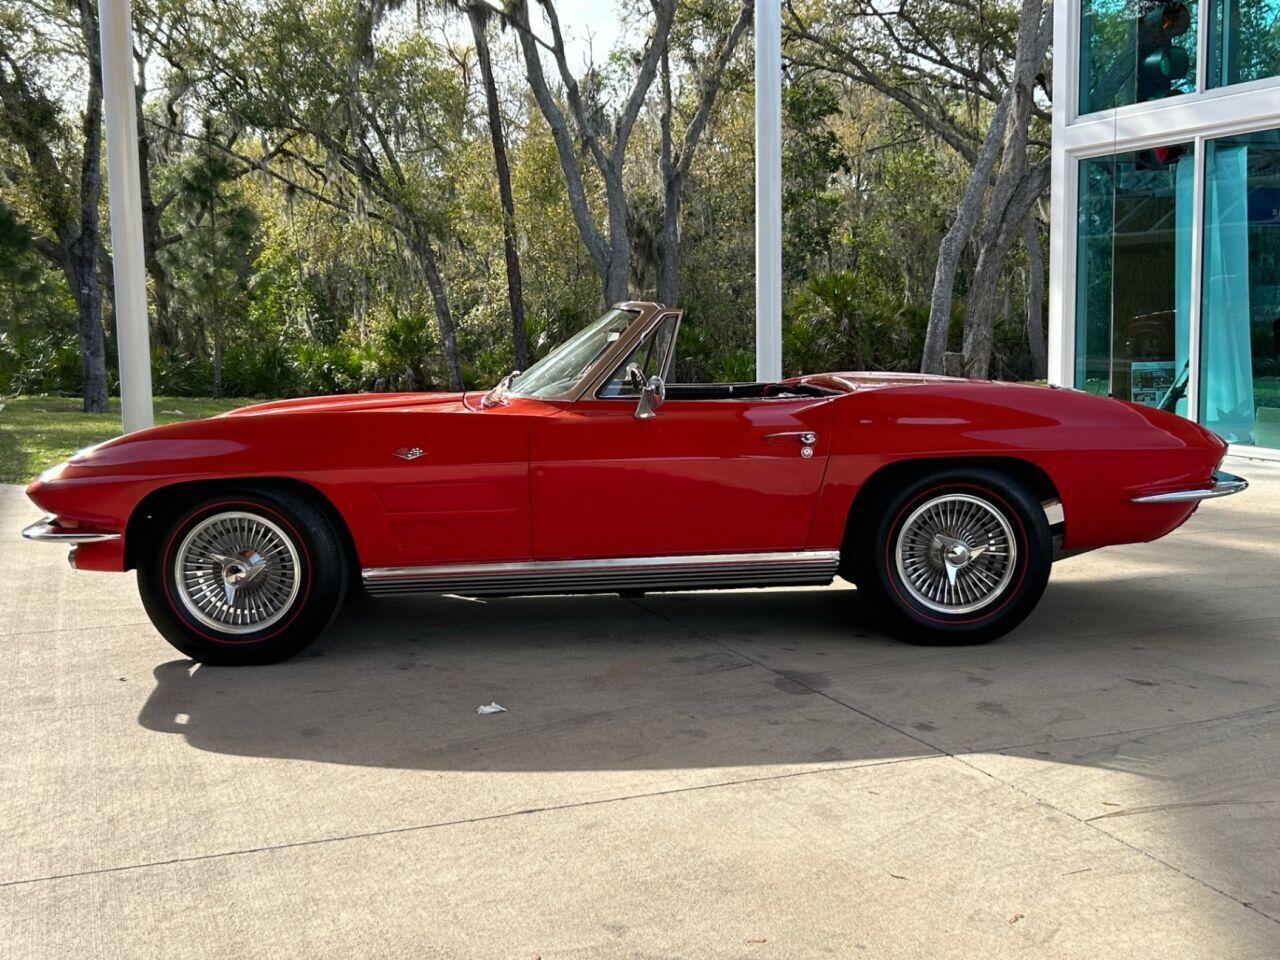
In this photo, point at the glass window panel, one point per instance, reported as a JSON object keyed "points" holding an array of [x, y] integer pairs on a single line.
{"points": [[651, 356], [1240, 318], [1132, 51], [1244, 41], [1133, 275]]}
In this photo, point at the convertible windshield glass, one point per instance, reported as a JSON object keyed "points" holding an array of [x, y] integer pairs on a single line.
{"points": [[564, 366]]}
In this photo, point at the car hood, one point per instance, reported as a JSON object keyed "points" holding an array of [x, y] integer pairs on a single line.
{"points": [[354, 403]]}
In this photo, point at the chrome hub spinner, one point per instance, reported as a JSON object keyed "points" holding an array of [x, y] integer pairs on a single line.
{"points": [[237, 572], [956, 553]]}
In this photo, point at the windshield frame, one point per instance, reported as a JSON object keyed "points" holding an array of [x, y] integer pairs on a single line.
{"points": [[644, 315]]}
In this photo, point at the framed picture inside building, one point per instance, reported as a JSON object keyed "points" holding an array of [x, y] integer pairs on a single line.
{"points": [[1150, 380]]}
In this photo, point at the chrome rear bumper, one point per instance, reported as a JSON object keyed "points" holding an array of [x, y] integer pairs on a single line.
{"points": [[1224, 485], [48, 530]]}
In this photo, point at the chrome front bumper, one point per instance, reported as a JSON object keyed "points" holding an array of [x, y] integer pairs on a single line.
{"points": [[1224, 485], [48, 530]]}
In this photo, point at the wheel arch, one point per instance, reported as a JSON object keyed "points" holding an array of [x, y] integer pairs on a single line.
{"points": [[157, 506], [1029, 474]]}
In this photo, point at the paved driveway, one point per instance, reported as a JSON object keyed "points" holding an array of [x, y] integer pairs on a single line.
{"points": [[753, 774]]}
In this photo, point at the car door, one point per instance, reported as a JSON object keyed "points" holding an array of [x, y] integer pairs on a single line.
{"points": [[702, 476]]}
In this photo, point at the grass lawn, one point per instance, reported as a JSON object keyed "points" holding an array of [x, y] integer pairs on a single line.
{"points": [[37, 432]]}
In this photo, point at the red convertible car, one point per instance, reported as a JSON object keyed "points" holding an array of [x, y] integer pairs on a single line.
{"points": [[945, 501]]}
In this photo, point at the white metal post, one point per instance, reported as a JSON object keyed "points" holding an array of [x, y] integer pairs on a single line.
{"points": [[768, 189], [116, 29]]}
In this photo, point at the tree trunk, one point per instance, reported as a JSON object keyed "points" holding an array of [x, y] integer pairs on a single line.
{"points": [[1035, 300], [1010, 198], [82, 259], [444, 317], [612, 257], [675, 169], [82, 276], [668, 243], [617, 278], [957, 237], [217, 359], [515, 283], [164, 330], [997, 240]]}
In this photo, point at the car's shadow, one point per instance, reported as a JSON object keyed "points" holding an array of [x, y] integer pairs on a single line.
{"points": [[588, 682], [693, 680]]}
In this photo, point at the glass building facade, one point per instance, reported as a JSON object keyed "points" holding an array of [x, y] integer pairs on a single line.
{"points": [[1165, 254]]}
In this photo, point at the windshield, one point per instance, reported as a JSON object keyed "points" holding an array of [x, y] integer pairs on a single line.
{"points": [[564, 366]]}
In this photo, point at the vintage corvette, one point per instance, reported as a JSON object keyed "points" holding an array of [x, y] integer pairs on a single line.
{"points": [[945, 501]]}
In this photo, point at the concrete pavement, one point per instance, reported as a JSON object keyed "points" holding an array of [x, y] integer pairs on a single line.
{"points": [[750, 774]]}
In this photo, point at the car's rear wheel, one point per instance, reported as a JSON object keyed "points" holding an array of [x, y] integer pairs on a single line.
{"points": [[959, 556], [243, 577]]}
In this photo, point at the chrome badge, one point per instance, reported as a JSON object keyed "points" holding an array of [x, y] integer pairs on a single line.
{"points": [[409, 453]]}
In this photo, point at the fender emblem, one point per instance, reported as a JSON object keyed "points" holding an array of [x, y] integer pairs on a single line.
{"points": [[409, 453]]}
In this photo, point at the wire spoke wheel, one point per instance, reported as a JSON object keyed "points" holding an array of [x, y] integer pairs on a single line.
{"points": [[237, 572], [956, 553]]}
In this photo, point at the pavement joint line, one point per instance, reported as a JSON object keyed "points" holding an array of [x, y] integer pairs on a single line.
{"points": [[461, 822], [91, 626], [1160, 807], [1261, 711], [941, 752], [1092, 825]]}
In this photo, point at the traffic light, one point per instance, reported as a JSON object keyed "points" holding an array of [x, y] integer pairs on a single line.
{"points": [[1160, 63]]}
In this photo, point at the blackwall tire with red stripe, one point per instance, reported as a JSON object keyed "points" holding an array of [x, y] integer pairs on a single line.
{"points": [[244, 576], [958, 556]]}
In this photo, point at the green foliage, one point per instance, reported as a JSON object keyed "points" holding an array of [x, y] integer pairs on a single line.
{"points": [[812, 156], [828, 324], [46, 363], [301, 151]]}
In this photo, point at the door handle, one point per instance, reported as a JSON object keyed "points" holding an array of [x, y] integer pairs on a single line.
{"points": [[806, 439]]}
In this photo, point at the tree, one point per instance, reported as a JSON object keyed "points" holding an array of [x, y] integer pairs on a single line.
{"points": [[812, 156], [217, 245], [382, 114], [478, 15], [157, 27], [1017, 187], [676, 162], [66, 210], [1035, 299], [969, 81], [605, 141]]}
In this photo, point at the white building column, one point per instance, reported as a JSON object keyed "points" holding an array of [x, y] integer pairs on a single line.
{"points": [[1062, 226], [768, 37], [128, 259]]}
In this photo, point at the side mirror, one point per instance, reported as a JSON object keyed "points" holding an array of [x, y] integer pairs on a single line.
{"points": [[651, 399]]}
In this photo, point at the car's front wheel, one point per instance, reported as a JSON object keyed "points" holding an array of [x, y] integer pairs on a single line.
{"points": [[243, 577], [960, 556]]}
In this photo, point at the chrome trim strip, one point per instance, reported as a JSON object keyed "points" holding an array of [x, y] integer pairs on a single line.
{"points": [[695, 571], [46, 530], [1224, 485]]}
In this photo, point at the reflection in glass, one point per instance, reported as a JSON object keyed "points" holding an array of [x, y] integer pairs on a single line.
{"points": [[1240, 319], [1244, 41], [1132, 51], [652, 356], [1133, 276]]}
